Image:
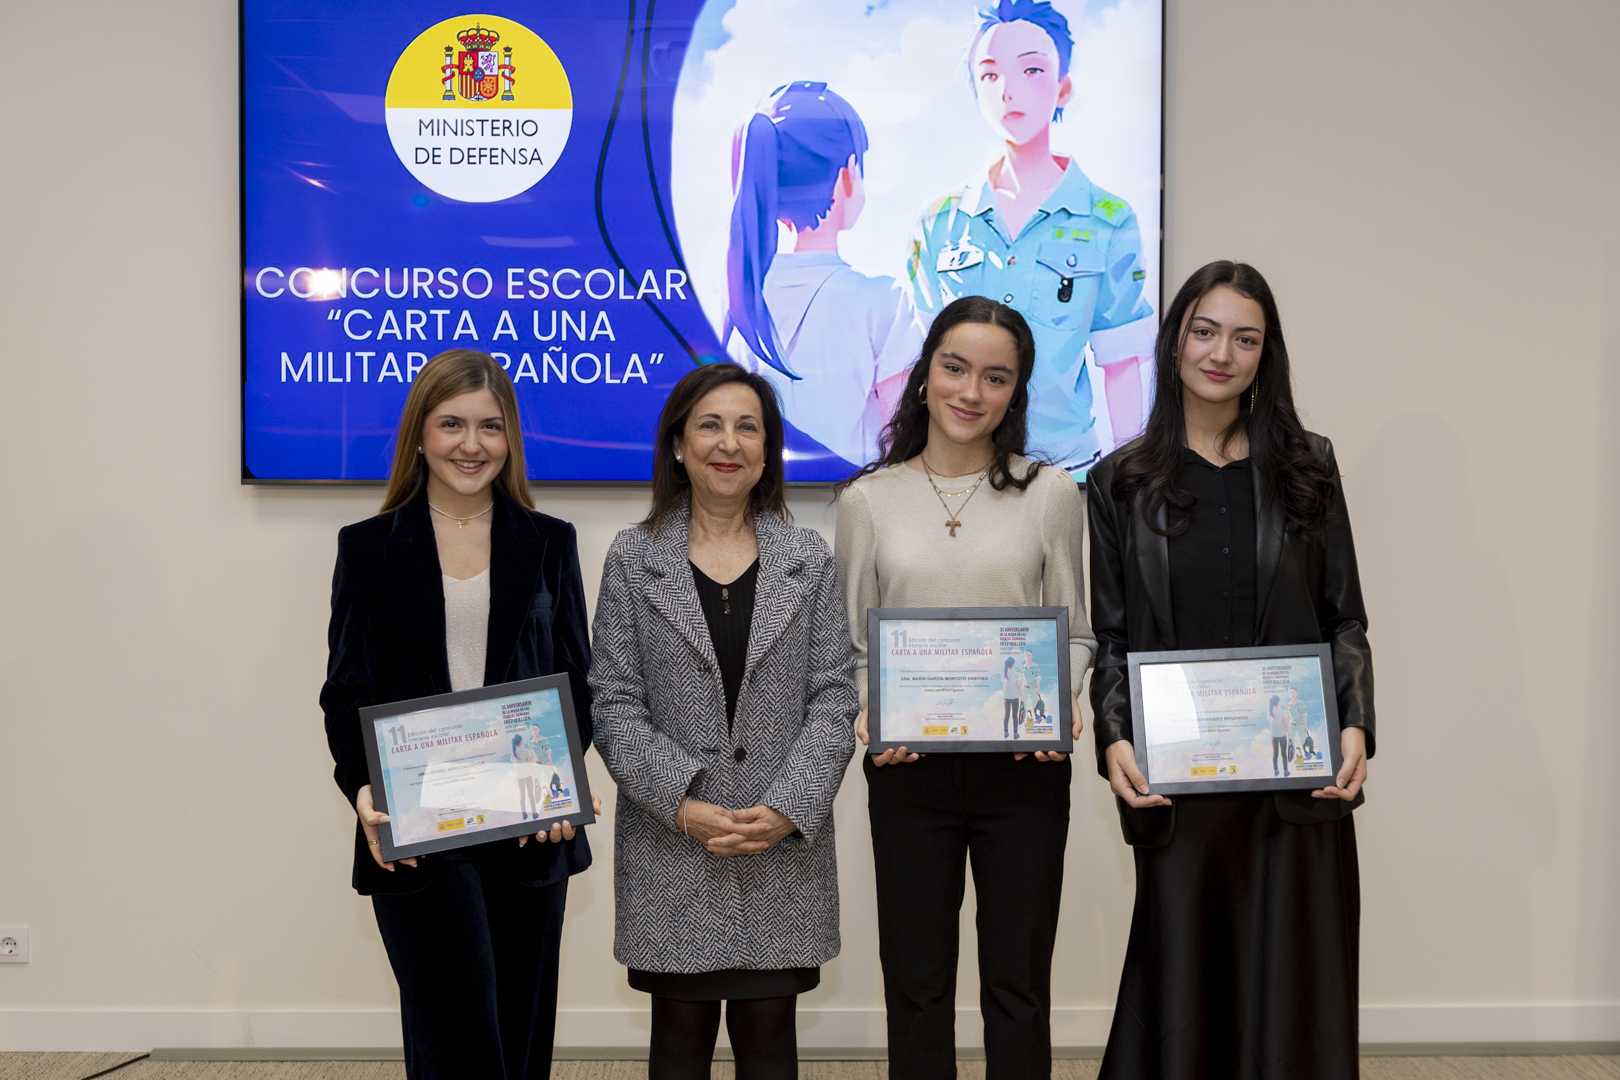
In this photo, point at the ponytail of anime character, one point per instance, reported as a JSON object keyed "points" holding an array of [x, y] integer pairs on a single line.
{"points": [[784, 165]]}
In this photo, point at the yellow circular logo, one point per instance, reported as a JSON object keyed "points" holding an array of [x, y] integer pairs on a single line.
{"points": [[478, 108]]}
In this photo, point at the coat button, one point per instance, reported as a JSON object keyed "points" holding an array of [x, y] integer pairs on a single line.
{"points": [[739, 754], [1007, 299], [1012, 260], [1070, 260]]}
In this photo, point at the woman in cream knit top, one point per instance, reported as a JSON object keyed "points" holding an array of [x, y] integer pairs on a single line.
{"points": [[955, 515]]}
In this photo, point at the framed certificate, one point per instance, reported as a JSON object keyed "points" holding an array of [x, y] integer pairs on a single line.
{"points": [[458, 769], [1235, 719], [968, 680]]}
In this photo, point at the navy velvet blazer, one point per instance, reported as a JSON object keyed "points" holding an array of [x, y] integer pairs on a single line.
{"points": [[387, 643]]}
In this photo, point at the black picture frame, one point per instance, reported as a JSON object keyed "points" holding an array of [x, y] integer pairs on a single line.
{"points": [[371, 715], [1063, 739], [1330, 709]]}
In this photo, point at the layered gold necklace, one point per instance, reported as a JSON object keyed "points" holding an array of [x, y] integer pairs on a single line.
{"points": [[953, 517]]}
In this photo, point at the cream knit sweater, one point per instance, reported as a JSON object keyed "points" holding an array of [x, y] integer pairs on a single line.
{"points": [[1013, 549]]}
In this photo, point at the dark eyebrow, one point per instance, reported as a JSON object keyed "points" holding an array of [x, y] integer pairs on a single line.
{"points": [[964, 360], [717, 416], [1032, 52], [1216, 325]]}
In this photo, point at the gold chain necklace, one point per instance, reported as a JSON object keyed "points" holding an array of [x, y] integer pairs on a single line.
{"points": [[952, 518], [461, 522]]}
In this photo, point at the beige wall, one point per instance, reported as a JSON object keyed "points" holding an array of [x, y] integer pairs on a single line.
{"points": [[1431, 189]]}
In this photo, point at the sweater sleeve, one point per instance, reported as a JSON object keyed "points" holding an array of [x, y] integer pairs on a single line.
{"points": [[855, 549], [1063, 576]]}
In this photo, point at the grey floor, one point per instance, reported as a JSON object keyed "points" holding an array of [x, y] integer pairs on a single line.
{"points": [[78, 1066]]}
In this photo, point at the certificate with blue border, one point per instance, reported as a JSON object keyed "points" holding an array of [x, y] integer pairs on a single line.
{"points": [[1215, 720], [459, 769], [968, 680]]}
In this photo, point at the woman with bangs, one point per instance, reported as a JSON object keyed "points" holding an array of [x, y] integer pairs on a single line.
{"points": [[458, 582]]}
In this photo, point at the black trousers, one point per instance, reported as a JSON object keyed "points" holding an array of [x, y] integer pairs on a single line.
{"points": [[1011, 821], [475, 955]]}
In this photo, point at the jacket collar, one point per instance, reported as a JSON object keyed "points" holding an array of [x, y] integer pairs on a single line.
{"points": [[778, 591], [1270, 525], [1153, 563], [516, 553]]}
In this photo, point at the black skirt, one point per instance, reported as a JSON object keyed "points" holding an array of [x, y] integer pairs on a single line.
{"points": [[1243, 955], [733, 984]]}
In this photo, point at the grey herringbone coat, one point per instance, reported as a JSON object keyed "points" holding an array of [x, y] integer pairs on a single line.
{"points": [[659, 713]]}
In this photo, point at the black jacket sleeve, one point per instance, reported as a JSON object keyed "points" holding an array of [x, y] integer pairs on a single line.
{"points": [[1341, 612], [351, 664], [570, 634], [1110, 681]]}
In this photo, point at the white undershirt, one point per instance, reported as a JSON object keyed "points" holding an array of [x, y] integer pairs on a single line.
{"points": [[466, 628]]}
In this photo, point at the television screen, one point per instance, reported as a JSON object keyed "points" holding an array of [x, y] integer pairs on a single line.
{"points": [[602, 196]]}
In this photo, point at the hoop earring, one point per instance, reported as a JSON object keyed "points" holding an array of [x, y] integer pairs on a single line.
{"points": [[922, 393]]}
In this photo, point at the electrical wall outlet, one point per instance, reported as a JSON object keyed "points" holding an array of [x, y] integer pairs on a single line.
{"points": [[13, 944]]}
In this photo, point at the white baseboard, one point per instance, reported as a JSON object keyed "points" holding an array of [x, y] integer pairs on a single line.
{"points": [[68, 1030]]}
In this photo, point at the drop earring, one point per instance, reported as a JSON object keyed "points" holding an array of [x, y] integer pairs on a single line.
{"points": [[1254, 392]]}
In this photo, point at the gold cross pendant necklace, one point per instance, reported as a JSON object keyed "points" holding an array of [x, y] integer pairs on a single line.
{"points": [[461, 522], [952, 517]]}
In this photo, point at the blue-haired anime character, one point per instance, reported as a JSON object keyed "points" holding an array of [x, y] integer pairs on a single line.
{"points": [[834, 342], [1032, 231]]}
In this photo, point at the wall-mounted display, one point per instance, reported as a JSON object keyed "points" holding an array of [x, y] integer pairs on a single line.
{"points": [[602, 195]]}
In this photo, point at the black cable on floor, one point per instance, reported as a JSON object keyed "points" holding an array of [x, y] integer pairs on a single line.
{"points": [[120, 1065]]}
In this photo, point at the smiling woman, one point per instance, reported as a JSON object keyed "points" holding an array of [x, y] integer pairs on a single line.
{"points": [[458, 583], [723, 711], [954, 515]]}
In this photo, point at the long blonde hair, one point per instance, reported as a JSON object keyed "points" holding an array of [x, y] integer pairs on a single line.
{"points": [[450, 374]]}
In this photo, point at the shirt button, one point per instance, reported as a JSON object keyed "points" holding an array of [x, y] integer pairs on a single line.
{"points": [[1012, 260], [1007, 299], [1224, 639], [1070, 260], [739, 754], [1226, 551], [1223, 509], [1226, 596]]}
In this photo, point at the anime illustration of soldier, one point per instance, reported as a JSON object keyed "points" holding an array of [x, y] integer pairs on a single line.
{"points": [[1032, 231], [834, 342]]}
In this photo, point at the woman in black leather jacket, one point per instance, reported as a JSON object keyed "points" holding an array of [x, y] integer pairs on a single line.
{"points": [[1225, 526]]}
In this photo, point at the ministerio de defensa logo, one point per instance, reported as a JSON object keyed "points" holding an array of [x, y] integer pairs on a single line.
{"points": [[479, 108]]}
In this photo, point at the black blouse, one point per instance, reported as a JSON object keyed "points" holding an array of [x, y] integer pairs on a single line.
{"points": [[1213, 564], [729, 610]]}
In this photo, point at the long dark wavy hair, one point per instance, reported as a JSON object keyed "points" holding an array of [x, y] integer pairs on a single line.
{"points": [[906, 434], [1289, 470], [671, 487]]}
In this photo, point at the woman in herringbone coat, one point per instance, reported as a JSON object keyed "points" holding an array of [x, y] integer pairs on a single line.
{"points": [[723, 705]]}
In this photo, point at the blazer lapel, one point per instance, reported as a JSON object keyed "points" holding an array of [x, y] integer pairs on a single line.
{"points": [[413, 560], [1270, 527], [516, 554], [667, 579], [1153, 564], [778, 591]]}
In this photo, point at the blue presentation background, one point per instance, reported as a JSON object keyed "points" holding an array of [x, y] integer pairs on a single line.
{"points": [[323, 187]]}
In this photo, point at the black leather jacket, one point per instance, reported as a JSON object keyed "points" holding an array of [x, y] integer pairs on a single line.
{"points": [[1308, 593]]}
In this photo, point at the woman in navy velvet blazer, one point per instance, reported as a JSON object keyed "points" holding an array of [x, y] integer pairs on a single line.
{"points": [[472, 934]]}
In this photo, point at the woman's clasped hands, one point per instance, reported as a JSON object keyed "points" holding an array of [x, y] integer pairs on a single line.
{"points": [[732, 832]]}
